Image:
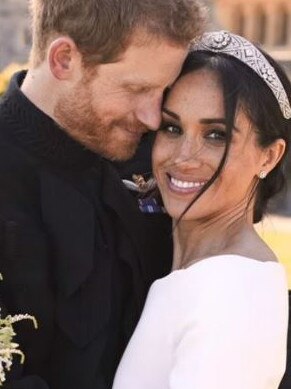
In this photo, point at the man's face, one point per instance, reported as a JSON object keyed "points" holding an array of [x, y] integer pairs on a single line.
{"points": [[108, 110]]}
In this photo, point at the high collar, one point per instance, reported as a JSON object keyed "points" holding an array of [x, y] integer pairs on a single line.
{"points": [[38, 133]]}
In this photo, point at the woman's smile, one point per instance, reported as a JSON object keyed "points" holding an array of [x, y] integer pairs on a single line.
{"points": [[185, 186]]}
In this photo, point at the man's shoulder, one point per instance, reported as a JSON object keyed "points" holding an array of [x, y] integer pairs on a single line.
{"points": [[11, 151], [18, 174]]}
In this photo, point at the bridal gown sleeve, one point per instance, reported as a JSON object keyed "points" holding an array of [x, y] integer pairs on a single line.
{"points": [[221, 324], [232, 339]]}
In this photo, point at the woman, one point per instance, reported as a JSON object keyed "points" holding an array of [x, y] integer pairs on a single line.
{"points": [[219, 320]]}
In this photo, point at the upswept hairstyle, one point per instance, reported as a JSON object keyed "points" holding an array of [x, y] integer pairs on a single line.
{"points": [[102, 29], [243, 88]]}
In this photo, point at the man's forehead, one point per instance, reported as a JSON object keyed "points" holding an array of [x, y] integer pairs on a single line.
{"points": [[148, 72], [143, 42]]}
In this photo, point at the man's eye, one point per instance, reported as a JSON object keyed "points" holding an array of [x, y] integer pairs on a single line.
{"points": [[217, 135], [170, 129], [137, 89]]}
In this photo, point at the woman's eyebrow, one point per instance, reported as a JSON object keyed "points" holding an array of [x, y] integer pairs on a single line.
{"points": [[170, 113], [202, 121], [211, 121], [215, 121]]}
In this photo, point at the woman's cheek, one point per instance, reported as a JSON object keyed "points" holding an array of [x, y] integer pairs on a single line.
{"points": [[159, 151]]}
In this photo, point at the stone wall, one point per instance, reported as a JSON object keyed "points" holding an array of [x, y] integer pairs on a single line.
{"points": [[14, 32], [267, 23]]}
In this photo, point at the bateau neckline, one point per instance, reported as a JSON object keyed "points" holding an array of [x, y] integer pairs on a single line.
{"points": [[228, 256]]}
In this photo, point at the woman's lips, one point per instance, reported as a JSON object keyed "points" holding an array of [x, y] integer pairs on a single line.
{"points": [[179, 185]]}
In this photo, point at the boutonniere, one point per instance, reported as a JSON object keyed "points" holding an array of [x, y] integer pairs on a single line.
{"points": [[8, 348], [139, 184], [148, 196]]}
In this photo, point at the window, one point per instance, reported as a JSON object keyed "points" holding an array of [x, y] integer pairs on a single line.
{"points": [[238, 26], [261, 26], [283, 25]]}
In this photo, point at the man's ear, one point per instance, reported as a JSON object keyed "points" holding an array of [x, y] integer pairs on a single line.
{"points": [[273, 154], [63, 56]]}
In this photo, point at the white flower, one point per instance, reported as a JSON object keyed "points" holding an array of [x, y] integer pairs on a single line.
{"points": [[7, 347]]}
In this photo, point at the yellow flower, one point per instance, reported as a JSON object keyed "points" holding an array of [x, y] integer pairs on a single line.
{"points": [[7, 73]]}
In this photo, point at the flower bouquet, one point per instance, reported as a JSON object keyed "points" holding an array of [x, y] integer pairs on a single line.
{"points": [[8, 348]]}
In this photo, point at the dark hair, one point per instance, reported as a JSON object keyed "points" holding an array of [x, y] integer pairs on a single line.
{"points": [[102, 29], [243, 88]]}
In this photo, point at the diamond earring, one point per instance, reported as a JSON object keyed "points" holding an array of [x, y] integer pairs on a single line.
{"points": [[262, 174]]}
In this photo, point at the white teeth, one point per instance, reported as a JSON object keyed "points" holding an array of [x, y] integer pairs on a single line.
{"points": [[186, 184]]}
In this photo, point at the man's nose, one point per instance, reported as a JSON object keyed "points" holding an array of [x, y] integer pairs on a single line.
{"points": [[149, 112]]}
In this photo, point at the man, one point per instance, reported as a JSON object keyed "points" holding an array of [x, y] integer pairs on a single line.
{"points": [[76, 251]]}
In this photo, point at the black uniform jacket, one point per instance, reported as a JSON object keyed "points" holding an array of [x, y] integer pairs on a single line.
{"points": [[75, 251]]}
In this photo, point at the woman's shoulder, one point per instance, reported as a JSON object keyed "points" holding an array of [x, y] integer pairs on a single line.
{"points": [[223, 291], [219, 278], [221, 295], [220, 267]]}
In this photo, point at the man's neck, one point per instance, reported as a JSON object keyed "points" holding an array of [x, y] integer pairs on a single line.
{"points": [[38, 89]]}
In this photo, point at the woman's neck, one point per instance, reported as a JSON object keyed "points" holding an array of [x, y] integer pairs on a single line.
{"points": [[195, 240]]}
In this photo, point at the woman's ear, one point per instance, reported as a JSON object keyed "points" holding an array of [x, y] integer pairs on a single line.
{"points": [[63, 57], [273, 155]]}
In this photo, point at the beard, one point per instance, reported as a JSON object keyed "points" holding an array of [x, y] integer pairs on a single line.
{"points": [[77, 116]]}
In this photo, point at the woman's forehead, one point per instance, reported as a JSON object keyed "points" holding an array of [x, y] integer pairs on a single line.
{"points": [[201, 90]]}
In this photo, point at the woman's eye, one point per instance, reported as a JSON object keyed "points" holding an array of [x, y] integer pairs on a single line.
{"points": [[171, 129], [217, 135]]}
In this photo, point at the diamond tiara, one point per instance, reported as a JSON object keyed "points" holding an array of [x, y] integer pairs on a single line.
{"points": [[240, 48]]}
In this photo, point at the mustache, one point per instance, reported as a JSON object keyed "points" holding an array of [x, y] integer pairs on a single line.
{"points": [[136, 125]]}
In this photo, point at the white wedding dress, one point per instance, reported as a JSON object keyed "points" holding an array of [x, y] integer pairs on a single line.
{"points": [[219, 324]]}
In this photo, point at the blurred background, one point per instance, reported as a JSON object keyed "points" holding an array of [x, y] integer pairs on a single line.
{"points": [[265, 22]]}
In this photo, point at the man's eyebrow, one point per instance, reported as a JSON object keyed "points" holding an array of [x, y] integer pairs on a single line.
{"points": [[170, 113], [138, 83]]}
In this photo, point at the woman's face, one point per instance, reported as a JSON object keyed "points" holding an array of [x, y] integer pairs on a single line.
{"points": [[190, 145]]}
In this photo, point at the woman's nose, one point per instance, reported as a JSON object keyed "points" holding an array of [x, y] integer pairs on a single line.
{"points": [[189, 154]]}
